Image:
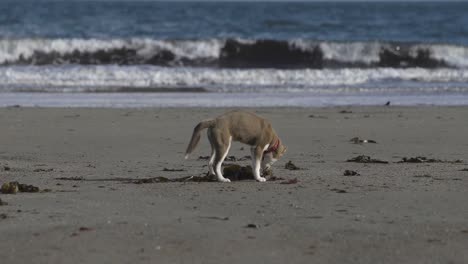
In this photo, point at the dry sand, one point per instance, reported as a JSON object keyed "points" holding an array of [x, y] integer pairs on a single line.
{"points": [[391, 213]]}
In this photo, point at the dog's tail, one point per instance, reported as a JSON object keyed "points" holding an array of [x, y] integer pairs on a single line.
{"points": [[196, 135]]}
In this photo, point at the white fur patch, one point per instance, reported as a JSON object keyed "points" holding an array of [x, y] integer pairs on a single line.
{"points": [[210, 163], [256, 164], [218, 166]]}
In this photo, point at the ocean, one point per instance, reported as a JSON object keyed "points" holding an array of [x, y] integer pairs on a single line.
{"points": [[232, 54]]}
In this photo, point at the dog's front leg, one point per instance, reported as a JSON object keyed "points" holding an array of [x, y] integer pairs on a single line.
{"points": [[257, 153]]}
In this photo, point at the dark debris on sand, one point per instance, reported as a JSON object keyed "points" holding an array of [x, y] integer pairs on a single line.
{"points": [[14, 187], [43, 170], [319, 117], [70, 178], [173, 170], [84, 229], [164, 179], [422, 176], [421, 159], [215, 218], [338, 190], [357, 140], [275, 178], [292, 181], [236, 172], [351, 173], [233, 172], [290, 166], [366, 159], [228, 158]]}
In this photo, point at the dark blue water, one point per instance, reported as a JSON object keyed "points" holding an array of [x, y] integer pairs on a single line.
{"points": [[433, 22]]}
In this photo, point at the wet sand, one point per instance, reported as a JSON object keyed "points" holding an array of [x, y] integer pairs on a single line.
{"points": [[390, 213]]}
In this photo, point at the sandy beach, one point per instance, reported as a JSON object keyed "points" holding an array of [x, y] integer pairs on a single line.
{"points": [[399, 212]]}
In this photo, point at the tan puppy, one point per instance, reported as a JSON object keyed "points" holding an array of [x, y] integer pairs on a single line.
{"points": [[244, 127]]}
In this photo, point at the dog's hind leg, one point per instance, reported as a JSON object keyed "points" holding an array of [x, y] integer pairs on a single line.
{"points": [[211, 162], [221, 153], [213, 153], [257, 154]]}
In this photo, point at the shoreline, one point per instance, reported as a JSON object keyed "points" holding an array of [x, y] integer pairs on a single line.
{"points": [[227, 100]]}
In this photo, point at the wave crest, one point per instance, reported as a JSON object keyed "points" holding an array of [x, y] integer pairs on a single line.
{"points": [[231, 53]]}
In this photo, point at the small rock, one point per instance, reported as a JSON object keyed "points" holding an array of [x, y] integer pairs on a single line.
{"points": [[83, 229], [251, 226], [10, 188]]}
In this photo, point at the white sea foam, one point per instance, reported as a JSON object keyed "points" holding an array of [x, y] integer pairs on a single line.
{"points": [[456, 56], [352, 52], [106, 78]]}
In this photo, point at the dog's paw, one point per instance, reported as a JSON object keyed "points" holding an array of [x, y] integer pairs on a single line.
{"points": [[261, 179], [224, 180]]}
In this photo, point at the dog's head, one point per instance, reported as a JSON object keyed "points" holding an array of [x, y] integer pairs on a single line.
{"points": [[271, 157]]}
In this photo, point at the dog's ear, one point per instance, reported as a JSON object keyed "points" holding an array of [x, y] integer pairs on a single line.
{"points": [[284, 149], [281, 150]]}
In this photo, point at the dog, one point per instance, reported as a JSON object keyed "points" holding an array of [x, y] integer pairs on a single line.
{"points": [[265, 146]]}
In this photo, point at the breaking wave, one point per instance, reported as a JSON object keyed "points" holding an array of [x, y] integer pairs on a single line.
{"points": [[232, 53]]}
